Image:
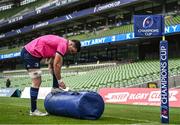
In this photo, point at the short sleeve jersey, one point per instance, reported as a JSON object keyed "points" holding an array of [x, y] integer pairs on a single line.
{"points": [[46, 46]]}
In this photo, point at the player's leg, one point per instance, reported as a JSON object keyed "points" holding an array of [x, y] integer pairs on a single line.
{"points": [[35, 75], [55, 81], [51, 70], [36, 82], [32, 64], [55, 87]]}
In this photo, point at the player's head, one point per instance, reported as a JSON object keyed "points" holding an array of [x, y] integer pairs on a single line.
{"points": [[74, 46]]}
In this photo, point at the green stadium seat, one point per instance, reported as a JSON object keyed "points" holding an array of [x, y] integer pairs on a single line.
{"points": [[123, 75]]}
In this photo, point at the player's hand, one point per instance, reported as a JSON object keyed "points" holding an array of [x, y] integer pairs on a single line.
{"points": [[62, 85]]}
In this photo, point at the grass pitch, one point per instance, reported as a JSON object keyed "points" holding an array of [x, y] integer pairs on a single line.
{"points": [[16, 111]]}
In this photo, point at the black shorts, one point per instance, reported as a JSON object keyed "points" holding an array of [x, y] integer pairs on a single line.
{"points": [[30, 62]]}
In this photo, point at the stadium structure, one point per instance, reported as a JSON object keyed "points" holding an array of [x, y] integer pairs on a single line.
{"points": [[105, 29], [110, 55]]}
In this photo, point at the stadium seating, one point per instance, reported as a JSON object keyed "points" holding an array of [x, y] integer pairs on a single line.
{"points": [[12, 12], [124, 75], [120, 30], [172, 20], [5, 51], [111, 31], [27, 6]]}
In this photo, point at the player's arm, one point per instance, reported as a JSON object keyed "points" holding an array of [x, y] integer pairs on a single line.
{"points": [[50, 61], [58, 61]]}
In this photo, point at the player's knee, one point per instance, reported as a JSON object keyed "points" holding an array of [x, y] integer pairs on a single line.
{"points": [[35, 73]]}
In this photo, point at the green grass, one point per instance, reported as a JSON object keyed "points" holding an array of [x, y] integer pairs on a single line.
{"points": [[16, 111]]}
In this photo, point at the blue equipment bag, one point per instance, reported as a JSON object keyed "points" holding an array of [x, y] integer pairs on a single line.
{"points": [[83, 105]]}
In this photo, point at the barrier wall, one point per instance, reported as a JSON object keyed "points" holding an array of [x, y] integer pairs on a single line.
{"points": [[10, 92], [43, 92], [138, 96]]}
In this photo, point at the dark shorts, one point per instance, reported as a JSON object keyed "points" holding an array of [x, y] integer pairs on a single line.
{"points": [[30, 62]]}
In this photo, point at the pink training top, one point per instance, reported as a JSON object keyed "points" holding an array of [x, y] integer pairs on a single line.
{"points": [[46, 46]]}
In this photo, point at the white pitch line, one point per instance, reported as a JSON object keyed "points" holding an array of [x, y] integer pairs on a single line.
{"points": [[134, 120]]}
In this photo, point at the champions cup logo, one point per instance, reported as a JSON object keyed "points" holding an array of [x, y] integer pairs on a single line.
{"points": [[148, 22], [164, 112], [107, 6], [148, 25]]}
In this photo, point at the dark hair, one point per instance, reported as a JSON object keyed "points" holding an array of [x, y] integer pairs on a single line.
{"points": [[77, 45]]}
